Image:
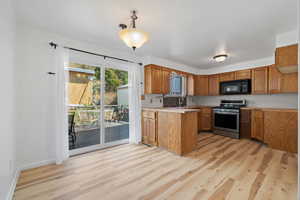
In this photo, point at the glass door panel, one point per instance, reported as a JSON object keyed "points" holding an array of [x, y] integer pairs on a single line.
{"points": [[83, 87], [116, 110]]}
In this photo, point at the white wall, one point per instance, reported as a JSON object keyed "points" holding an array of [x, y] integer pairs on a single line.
{"points": [[36, 141], [7, 133]]}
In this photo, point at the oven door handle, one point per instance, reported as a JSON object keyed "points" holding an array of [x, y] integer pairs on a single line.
{"points": [[225, 113]]}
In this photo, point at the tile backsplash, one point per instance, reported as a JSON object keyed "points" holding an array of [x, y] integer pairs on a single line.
{"points": [[153, 100], [267, 101]]}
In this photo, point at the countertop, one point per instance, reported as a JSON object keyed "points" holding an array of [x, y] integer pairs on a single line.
{"points": [[271, 109], [173, 109]]}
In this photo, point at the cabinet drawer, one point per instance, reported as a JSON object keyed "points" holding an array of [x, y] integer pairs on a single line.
{"points": [[149, 114], [206, 110], [258, 114]]}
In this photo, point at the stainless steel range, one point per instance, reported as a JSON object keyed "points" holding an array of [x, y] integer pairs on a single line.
{"points": [[226, 118]]}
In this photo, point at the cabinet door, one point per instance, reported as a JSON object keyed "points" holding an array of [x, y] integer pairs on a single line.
{"points": [[260, 80], [213, 85], [274, 80], [202, 85], [156, 80], [190, 85], [163, 129], [243, 74], [257, 125], [152, 79], [199, 121], [289, 83], [152, 139], [245, 124], [145, 131], [281, 134], [166, 81], [229, 76], [206, 119], [287, 56]]}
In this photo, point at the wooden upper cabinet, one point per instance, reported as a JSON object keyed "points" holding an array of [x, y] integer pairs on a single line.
{"points": [[201, 85], [165, 80], [257, 124], [260, 80], [213, 85], [153, 79], [243, 74], [191, 84], [274, 80], [286, 56], [228, 76], [289, 83]]}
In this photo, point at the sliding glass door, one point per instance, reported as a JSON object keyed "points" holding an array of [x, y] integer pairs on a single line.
{"points": [[116, 110], [98, 112]]}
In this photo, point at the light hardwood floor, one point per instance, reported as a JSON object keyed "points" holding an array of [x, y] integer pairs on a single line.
{"points": [[221, 168]]}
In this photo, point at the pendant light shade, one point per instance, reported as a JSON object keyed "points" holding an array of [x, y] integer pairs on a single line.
{"points": [[133, 37]]}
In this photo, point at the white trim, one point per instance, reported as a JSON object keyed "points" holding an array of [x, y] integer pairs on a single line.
{"points": [[37, 164], [13, 185], [101, 113], [86, 71], [97, 147], [287, 38]]}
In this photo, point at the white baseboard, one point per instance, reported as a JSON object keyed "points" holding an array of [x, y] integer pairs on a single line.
{"points": [[36, 164], [17, 174], [13, 184]]}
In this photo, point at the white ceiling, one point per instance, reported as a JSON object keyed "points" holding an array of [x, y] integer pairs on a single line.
{"points": [[186, 31]]}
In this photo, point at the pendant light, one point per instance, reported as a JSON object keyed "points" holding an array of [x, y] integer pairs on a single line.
{"points": [[133, 37]]}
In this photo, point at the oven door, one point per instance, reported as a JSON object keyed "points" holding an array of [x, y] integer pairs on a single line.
{"points": [[226, 121]]}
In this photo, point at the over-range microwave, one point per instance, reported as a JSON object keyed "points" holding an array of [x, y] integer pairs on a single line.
{"points": [[235, 87]]}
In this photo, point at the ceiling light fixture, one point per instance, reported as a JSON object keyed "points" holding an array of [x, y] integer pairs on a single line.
{"points": [[220, 58], [133, 37]]}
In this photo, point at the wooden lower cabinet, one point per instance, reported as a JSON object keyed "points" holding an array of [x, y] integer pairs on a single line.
{"points": [[257, 125], [278, 128], [245, 123], [205, 119], [149, 127], [281, 130], [177, 132]]}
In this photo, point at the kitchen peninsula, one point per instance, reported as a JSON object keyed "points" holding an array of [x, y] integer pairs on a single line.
{"points": [[174, 129]]}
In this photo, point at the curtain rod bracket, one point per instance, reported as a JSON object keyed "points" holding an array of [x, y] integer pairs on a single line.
{"points": [[52, 44]]}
